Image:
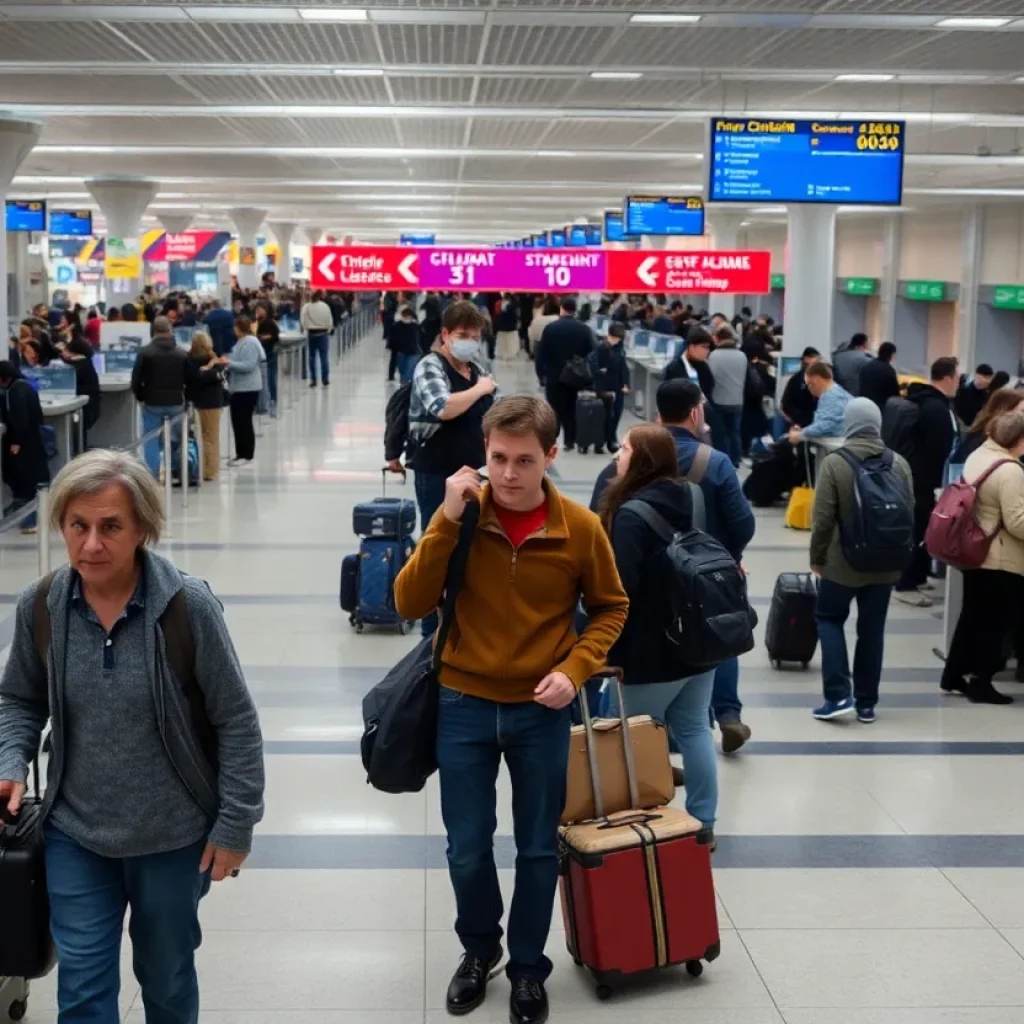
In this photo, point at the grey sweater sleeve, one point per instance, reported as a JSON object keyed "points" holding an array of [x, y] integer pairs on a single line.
{"points": [[24, 698], [233, 715]]}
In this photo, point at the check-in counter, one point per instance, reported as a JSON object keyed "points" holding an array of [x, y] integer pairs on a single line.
{"points": [[648, 355], [118, 425], [59, 413]]}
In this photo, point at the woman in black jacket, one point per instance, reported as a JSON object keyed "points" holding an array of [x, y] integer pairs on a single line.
{"points": [[24, 459], [78, 353], [648, 472]]}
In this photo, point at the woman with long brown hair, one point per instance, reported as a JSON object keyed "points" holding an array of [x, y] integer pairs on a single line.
{"points": [[999, 402], [647, 470]]}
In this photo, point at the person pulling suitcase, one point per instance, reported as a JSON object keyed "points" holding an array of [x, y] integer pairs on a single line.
{"points": [[611, 382]]}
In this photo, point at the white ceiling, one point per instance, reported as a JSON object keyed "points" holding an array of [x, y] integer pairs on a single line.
{"points": [[480, 119]]}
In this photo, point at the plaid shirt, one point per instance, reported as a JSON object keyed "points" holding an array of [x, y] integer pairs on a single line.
{"points": [[431, 390]]}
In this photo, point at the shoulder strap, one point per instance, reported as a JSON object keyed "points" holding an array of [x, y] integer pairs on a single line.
{"points": [[991, 469], [41, 625], [653, 518], [455, 578], [699, 466]]}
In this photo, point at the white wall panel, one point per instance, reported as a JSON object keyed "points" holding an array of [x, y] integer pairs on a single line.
{"points": [[858, 247], [771, 237], [1002, 247], [931, 247]]}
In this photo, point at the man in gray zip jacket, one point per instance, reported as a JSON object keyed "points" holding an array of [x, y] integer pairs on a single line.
{"points": [[149, 796]]}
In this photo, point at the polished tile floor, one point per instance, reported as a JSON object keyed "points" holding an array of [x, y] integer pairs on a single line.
{"points": [[866, 875]]}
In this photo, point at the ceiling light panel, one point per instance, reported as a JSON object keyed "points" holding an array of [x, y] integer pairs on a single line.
{"points": [[614, 76], [973, 22], [665, 19], [334, 14], [865, 77]]}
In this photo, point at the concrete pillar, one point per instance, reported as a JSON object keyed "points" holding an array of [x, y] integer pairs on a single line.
{"points": [[972, 230], [17, 139], [123, 202], [810, 278], [174, 223], [314, 232], [284, 232], [247, 221], [725, 231], [891, 249]]}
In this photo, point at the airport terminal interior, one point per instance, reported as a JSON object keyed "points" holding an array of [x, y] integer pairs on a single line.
{"points": [[864, 874]]}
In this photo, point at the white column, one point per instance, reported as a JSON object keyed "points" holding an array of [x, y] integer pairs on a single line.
{"points": [[810, 279], [725, 230], [123, 202], [247, 220], [972, 230], [174, 223], [17, 138], [284, 232], [891, 249], [314, 232]]}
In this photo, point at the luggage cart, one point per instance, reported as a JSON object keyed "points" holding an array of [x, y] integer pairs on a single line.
{"points": [[14, 997]]}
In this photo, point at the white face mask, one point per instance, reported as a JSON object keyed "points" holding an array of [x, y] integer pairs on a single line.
{"points": [[465, 350]]}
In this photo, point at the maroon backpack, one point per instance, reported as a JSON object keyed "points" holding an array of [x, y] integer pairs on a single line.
{"points": [[954, 535]]}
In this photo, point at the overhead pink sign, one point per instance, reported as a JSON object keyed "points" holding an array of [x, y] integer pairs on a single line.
{"points": [[514, 270]]}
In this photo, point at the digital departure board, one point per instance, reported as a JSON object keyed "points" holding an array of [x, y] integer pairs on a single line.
{"points": [[754, 160], [25, 215], [614, 228], [71, 222], [576, 234], [593, 234], [557, 239], [664, 215]]}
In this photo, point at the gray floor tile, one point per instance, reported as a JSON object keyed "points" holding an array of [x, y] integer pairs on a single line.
{"points": [[905, 1015], [865, 968], [998, 893]]}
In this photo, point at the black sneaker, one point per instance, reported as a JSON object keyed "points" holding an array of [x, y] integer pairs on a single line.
{"points": [[528, 1003], [468, 986], [735, 733]]}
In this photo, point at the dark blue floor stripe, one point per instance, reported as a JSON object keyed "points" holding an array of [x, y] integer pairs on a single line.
{"points": [[855, 851]]}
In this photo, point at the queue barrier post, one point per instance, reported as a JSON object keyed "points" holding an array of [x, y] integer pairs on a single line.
{"points": [[43, 530], [184, 459], [167, 473]]}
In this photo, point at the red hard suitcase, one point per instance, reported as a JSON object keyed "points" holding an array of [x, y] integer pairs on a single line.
{"points": [[636, 889]]}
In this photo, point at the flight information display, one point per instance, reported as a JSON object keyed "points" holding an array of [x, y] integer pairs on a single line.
{"points": [[593, 234], [71, 222], [754, 160], [614, 227], [664, 215], [25, 215], [557, 239]]}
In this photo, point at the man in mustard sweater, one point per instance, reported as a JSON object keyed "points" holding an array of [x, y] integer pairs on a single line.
{"points": [[510, 669]]}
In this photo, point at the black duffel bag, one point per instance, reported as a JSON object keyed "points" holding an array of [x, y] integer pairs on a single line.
{"points": [[576, 374], [26, 948], [399, 744]]}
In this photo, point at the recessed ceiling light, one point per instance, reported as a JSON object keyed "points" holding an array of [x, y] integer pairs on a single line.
{"points": [[359, 72], [972, 22], [334, 14], [611, 76], [864, 78], [664, 19]]}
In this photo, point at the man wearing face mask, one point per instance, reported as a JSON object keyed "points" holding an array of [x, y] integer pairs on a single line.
{"points": [[449, 397]]}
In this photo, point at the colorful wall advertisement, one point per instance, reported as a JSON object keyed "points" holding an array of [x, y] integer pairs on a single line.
{"points": [[123, 260]]}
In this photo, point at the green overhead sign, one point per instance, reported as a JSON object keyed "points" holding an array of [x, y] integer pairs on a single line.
{"points": [[1008, 296], [926, 291], [860, 285], [778, 280]]}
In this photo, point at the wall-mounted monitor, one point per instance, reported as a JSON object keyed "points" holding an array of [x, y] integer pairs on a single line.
{"points": [[755, 160], [557, 239], [593, 234], [577, 235], [71, 222], [614, 228], [25, 215], [664, 215]]}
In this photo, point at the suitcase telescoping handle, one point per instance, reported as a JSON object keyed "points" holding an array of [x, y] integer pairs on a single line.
{"points": [[384, 479], [614, 674]]}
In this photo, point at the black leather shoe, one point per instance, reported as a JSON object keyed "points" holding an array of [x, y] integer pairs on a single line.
{"points": [[468, 986], [528, 1003]]}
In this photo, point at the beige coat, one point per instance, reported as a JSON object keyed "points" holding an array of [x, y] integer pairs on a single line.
{"points": [[1000, 503], [537, 325]]}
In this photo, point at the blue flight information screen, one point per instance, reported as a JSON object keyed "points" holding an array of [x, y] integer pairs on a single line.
{"points": [[557, 239], [664, 215], [755, 160], [25, 215], [71, 222], [614, 227], [593, 234]]}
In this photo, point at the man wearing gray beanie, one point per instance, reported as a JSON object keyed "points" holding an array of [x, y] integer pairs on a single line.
{"points": [[861, 540]]}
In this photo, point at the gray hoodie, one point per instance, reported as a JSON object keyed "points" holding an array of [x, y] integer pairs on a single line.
{"points": [[729, 367], [846, 367], [30, 695]]}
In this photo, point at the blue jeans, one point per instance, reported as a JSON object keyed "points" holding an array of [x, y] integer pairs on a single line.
{"points": [[320, 347], [88, 898], [683, 707], [429, 497], [731, 417], [152, 417], [272, 378], [725, 698], [834, 601], [406, 367], [472, 736]]}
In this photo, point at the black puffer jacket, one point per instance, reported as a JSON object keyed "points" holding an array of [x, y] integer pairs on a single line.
{"points": [[935, 435], [159, 374], [636, 547]]}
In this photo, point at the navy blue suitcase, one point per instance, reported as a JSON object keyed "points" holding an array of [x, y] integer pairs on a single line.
{"points": [[385, 517], [349, 583], [380, 562]]}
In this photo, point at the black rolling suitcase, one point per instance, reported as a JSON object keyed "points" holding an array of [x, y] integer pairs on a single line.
{"points": [[26, 947], [792, 633], [590, 415]]}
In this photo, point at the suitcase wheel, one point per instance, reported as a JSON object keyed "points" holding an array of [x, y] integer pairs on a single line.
{"points": [[404, 627], [582, 450], [359, 627], [18, 1009], [805, 664], [694, 968], [777, 663], [603, 992]]}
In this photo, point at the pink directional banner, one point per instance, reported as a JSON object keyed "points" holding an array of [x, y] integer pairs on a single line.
{"points": [[514, 270]]}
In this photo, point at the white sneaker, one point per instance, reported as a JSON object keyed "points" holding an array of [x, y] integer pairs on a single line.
{"points": [[913, 598]]}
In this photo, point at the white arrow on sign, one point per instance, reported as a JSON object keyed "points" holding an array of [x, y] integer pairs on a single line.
{"points": [[646, 271], [405, 269], [325, 266]]}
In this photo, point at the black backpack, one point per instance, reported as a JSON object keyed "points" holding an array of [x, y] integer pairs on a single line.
{"points": [[576, 374], [708, 619], [899, 424], [396, 423], [880, 536]]}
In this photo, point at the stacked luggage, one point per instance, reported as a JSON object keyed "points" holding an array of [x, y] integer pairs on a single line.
{"points": [[368, 578], [635, 875]]}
